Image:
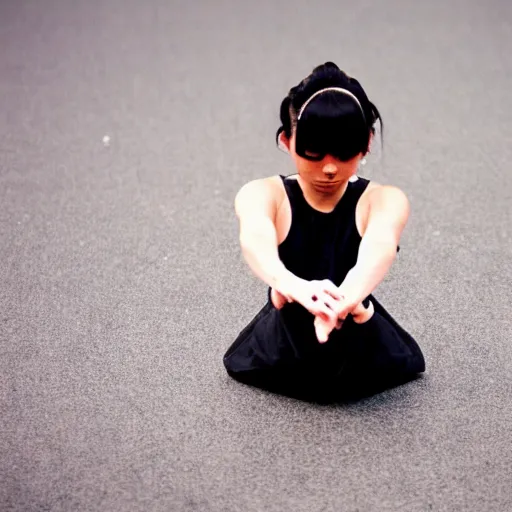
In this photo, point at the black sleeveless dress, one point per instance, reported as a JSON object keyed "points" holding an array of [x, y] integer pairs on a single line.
{"points": [[279, 351]]}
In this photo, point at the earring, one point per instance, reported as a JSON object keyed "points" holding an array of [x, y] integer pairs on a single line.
{"points": [[363, 161]]}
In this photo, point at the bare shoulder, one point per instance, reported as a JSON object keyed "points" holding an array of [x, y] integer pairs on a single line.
{"points": [[385, 198], [382, 206], [260, 196]]}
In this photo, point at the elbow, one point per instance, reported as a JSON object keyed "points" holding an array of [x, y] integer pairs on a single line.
{"points": [[382, 250], [388, 248], [247, 244], [383, 245], [244, 241]]}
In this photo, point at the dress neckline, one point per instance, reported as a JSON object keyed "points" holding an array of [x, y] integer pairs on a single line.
{"points": [[295, 183]]}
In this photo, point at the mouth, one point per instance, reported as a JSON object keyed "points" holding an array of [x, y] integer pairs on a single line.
{"points": [[327, 184]]}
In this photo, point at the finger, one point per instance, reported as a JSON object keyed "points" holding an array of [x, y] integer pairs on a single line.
{"points": [[278, 300], [321, 335], [333, 304], [330, 288], [322, 330], [358, 310], [363, 314], [323, 312], [325, 325], [319, 308], [343, 311]]}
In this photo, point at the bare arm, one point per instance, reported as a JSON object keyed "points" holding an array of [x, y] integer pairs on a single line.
{"points": [[388, 214], [256, 208]]}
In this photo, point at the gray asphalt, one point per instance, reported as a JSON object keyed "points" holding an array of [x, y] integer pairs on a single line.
{"points": [[121, 282]]}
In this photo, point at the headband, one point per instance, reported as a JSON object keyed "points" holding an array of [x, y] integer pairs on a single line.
{"points": [[338, 89]]}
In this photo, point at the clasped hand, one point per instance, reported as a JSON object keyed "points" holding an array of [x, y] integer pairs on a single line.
{"points": [[329, 304]]}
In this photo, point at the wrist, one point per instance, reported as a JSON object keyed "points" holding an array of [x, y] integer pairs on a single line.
{"points": [[353, 288], [285, 281]]}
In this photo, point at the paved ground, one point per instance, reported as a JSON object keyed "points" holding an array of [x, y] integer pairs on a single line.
{"points": [[121, 283]]}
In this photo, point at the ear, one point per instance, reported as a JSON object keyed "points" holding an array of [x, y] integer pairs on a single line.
{"points": [[370, 140], [284, 142]]}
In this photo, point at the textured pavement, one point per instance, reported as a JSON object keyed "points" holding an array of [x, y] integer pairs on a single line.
{"points": [[121, 282]]}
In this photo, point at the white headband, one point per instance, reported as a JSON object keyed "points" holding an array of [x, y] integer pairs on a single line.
{"points": [[338, 89]]}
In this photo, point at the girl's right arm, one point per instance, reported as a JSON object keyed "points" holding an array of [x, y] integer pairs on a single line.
{"points": [[256, 207]]}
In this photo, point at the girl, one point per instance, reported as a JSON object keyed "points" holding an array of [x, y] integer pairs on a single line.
{"points": [[322, 240]]}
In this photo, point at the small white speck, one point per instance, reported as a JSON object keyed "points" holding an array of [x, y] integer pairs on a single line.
{"points": [[165, 258], [106, 140], [436, 233]]}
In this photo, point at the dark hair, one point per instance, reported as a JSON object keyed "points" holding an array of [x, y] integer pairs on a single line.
{"points": [[333, 122]]}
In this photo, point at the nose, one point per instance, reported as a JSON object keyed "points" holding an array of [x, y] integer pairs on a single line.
{"points": [[330, 168]]}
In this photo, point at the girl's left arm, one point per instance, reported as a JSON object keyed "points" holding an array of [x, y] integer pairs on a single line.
{"points": [[388, 213]]}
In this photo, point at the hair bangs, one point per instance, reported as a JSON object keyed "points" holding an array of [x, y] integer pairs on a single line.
{"points": [[333, 124]]}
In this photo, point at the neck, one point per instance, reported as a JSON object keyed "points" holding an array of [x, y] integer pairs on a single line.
{"points": [[322, 200]]}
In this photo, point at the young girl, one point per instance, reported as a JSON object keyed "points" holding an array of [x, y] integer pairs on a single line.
{"points": [[322, 240]]}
